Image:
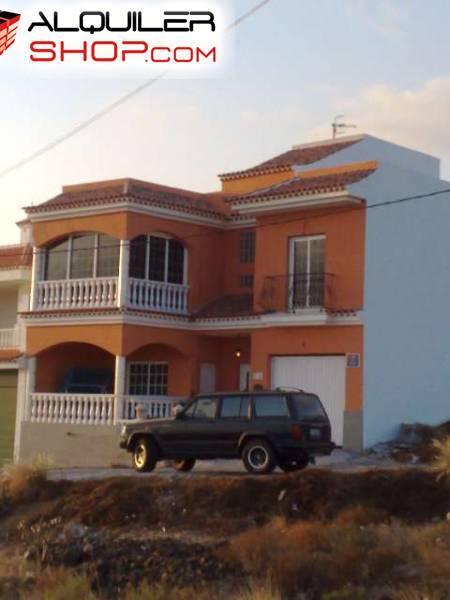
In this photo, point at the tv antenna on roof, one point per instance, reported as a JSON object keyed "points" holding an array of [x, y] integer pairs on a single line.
{"points": [[339, 126]]}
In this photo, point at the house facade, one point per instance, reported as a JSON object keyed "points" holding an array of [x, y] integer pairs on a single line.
{"points": [[298, 273]]}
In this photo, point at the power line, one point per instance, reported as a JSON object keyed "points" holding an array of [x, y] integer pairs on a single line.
{"points": [[335, 211], [111, 107]]}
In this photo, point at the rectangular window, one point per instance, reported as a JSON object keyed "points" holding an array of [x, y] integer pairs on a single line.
{"points": [[157, 259], [148, 379], [308, 272], [247, 247], [138, 254], [107, 256], [56, 262], [307, 406], [235, 407], [246, 281], [270, 406], [82, 257], [176, 262], [203, 408]]}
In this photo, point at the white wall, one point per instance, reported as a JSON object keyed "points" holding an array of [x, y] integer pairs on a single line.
{"points": [[407, 299], [8, 306], [372, 148]]}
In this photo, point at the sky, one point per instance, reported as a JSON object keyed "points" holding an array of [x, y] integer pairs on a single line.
{"points": [[295, 65]]}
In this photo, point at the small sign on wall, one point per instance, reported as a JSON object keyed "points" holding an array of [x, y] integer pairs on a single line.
{"points": [[258, 376], [353, 361]]}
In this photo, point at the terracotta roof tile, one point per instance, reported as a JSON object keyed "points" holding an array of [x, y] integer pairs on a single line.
{"points": [[13, 257], [306, 184], [237, 305], [139, 192], [304, 155], [9, 355]]}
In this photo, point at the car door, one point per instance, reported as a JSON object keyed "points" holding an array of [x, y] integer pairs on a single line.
{"points": [[234, 415], [199, 428]]}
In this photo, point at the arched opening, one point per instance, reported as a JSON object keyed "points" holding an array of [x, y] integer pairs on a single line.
{"points": [[75, 368], [81, 256]]}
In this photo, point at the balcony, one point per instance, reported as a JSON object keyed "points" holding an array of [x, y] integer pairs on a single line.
{"points": [[96, 409], [293, 293], [70, 294], [9, 338]]}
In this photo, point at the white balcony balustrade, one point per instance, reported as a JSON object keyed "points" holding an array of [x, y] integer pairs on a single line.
{"points": [[98, 409], [9, 338], [154, 407], [77, 409], [76, 293], [158, 296]]}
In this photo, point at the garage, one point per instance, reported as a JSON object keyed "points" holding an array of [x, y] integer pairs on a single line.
{"points": [[323, 375], [8, 399]]}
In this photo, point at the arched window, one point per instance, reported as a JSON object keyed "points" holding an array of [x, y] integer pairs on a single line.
{"points": [[157, 258], [84, 256]]}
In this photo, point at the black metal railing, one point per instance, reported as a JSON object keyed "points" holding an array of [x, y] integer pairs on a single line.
{"points": [[292, 292]]}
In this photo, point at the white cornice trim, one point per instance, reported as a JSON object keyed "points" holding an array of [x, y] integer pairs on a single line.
{"points": [[276, 204], [9, 366], [299, 319], [15, 275], [140, 209]]}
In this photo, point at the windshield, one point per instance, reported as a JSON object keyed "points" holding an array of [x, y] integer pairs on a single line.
{"points": [[307, 406]]}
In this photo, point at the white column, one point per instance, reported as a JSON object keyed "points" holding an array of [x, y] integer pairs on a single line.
{"points": [[124, 262], [35, 276], [30, 386], [119, 387], [20, 406]]}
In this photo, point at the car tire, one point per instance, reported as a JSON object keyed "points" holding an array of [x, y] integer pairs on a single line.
{"points": [[145, 455], [258, 457], [184, 465], [296, 463]]}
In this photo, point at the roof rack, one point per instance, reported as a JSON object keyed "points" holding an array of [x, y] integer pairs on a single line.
{"points": [[289, 389]]}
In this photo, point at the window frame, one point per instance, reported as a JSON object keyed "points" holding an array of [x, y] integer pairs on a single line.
{"points": [[70, 253], [292, 273], [247, 247], [287, 416], [167, 239], [240, 417], [196, 401], [148, 364]]}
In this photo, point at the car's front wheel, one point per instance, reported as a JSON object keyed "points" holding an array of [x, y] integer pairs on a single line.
{"points": [[294, 463], [258, 457], [184, 464], [145, 455]]}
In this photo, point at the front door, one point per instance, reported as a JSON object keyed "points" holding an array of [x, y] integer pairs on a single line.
{"points": [[244, 378], [8, 400], [207, 378]]}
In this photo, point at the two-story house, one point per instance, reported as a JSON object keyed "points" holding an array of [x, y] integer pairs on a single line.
{"points": [[301, 272]]}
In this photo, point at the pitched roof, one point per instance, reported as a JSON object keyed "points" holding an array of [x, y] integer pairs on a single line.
{"points": [[114, 192], [9, 355], [320, 181], [13, 257], [299, 155], [238, 305]]}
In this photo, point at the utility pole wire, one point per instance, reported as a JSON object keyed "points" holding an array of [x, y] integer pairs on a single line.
{"points": [[122, 100]]}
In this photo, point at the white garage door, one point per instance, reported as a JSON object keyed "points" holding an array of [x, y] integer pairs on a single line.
{"points": [[322, 375]]}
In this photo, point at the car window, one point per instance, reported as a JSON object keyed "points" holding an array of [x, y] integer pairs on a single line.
{"points": [[307, 406], [270, 406], [203, 408], [234, 407]]}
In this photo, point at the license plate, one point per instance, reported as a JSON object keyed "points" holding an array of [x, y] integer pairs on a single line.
{"points": [[315, 433]]}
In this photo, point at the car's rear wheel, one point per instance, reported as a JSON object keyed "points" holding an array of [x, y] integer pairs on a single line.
{"points": [[145, 455], [294, 463], [184, 464], [258, 457]]}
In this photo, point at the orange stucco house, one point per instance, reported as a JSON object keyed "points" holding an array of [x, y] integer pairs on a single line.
{"points": [[145, 294]]}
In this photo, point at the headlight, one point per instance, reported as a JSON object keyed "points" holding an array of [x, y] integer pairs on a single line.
{"points": [[123, 431]]}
